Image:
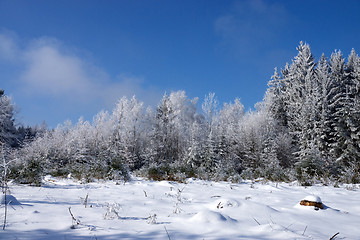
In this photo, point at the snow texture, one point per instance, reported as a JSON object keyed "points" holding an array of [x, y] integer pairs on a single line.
{"points": [[142, 209]]}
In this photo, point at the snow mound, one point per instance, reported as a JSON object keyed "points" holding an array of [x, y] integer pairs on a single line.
{"points": [[165, 184], [312, 198], [10, 199], [208, 216], [224, 203], [312, 201]]}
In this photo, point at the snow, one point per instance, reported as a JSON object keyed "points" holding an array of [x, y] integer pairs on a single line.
{"points": [[142, 209], [211, 217], [9, 199], [313, 198]]}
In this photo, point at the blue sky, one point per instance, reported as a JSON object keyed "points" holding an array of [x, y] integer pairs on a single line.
{"points": [[64, 59]]}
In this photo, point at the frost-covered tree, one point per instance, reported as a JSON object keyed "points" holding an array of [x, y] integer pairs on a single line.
{"points": [[211, 161], [103, 129], [308, 121], [229, 149], [348, 116], [7, 128], [105, 149], [129, 129], [172, 129], [252, 139], [317, 106], [185, 113], [353, 75], [342, 104], [164, 139], [302, 97], [85, 163], [275, 98], [195, 153], [275, 107], [323, 127]]}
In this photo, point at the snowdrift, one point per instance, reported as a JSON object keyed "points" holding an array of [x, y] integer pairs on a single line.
{"points": [[9, 199]]}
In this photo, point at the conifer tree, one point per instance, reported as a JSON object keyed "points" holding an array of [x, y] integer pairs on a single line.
{"points": [[323, 127], [339, 104], [7, 128]]}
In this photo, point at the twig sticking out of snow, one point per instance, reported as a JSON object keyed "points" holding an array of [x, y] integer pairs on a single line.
{"points": [[334, 236], [5, 211], [86, 200], [167, 233], [5, 182], [216, 196], [75, 221], [178, 200], [304, 230]]}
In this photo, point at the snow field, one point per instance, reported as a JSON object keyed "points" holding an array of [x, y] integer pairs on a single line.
{"points": [[197, 210]]}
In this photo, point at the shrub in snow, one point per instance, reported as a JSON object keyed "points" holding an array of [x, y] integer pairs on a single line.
{"points": [[31, 172], [118, 171], [351, 174], [169, 172], [178, 201], [247, 174], [307, 176], [158, 173], [152, 219], [112, 211], [313, 201]]}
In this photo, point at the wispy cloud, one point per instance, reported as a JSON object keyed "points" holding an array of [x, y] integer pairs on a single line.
{"points": [[8, 47], [251, 24], [51, 70]]}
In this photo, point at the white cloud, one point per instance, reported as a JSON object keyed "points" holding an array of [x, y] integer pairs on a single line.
{"points": [[49, 70], [8, 48], [56, 72]]}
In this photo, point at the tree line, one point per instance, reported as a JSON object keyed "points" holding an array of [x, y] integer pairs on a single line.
{"points": [[307, 128]]}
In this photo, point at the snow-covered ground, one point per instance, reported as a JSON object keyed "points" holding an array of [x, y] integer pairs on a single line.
{"points": [[166, 210]]}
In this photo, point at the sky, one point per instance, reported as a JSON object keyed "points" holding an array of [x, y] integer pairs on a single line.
{"points": [[65, 59]]}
